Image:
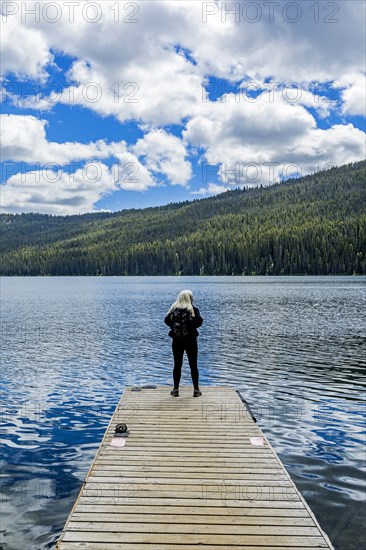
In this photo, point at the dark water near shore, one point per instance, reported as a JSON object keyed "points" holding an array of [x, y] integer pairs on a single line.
{"points": [[294, 346]]}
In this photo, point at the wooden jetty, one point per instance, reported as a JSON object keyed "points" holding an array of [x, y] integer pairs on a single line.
{"points": [[193, 474]]}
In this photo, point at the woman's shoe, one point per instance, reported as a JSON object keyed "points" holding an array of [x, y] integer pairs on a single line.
{"points": [[197, 393], [174, 393]]}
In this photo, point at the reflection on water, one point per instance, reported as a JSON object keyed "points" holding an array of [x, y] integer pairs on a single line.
{"points": [[294, 347]]}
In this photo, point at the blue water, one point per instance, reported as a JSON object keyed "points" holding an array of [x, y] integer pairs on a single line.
{"points": [[294, 346]]}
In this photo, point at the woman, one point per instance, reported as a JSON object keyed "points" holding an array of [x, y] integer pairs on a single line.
{"points": [[183, 318]]}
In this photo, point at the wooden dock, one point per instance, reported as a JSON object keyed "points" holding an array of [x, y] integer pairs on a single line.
{"points": [[193, 474]]}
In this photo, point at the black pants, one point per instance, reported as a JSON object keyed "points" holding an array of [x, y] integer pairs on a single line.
{"points": [[190, 347]]}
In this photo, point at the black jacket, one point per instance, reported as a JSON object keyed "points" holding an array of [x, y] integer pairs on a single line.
{"points": [[195, 322]]}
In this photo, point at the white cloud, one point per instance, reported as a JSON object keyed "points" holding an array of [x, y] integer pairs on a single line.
{"points": [[165, 154], [63, 191], [23, 139], [131, 174], [319, 46], [254, 143], [161, 90], [354, 94], [57, 193], [53, 189], [340, 144], [211, 189], [25, 49], [167, 86]]}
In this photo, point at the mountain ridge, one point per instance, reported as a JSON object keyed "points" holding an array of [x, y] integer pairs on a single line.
{"points": [[311, 225]]}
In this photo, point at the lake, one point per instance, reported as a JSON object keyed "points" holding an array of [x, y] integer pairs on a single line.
{"points": [[293, 346]]}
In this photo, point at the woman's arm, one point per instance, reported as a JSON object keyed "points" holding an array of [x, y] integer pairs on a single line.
{"points": [[168, 320], [197, 317]]}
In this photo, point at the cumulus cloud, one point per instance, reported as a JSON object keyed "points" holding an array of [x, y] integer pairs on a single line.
{"points": [[64, 191], [255, 143], [25, 50], [23, 139], [57, 193], [161, 90], [58, 188], [163, 84], [287, 42], [127, 70], [211, 189], [354, 94], [131, 174], [166, 154]]}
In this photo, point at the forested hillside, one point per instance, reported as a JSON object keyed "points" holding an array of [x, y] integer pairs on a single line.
{"points": [[313, 225]]}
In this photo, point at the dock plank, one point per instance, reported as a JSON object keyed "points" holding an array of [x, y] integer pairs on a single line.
{"points": [[188, 476]]}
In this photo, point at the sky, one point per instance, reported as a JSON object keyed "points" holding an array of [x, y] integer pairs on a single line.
{"points": [[114, 105]]}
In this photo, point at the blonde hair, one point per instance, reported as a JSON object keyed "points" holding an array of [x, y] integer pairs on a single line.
{"points": [[184, 301]]}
